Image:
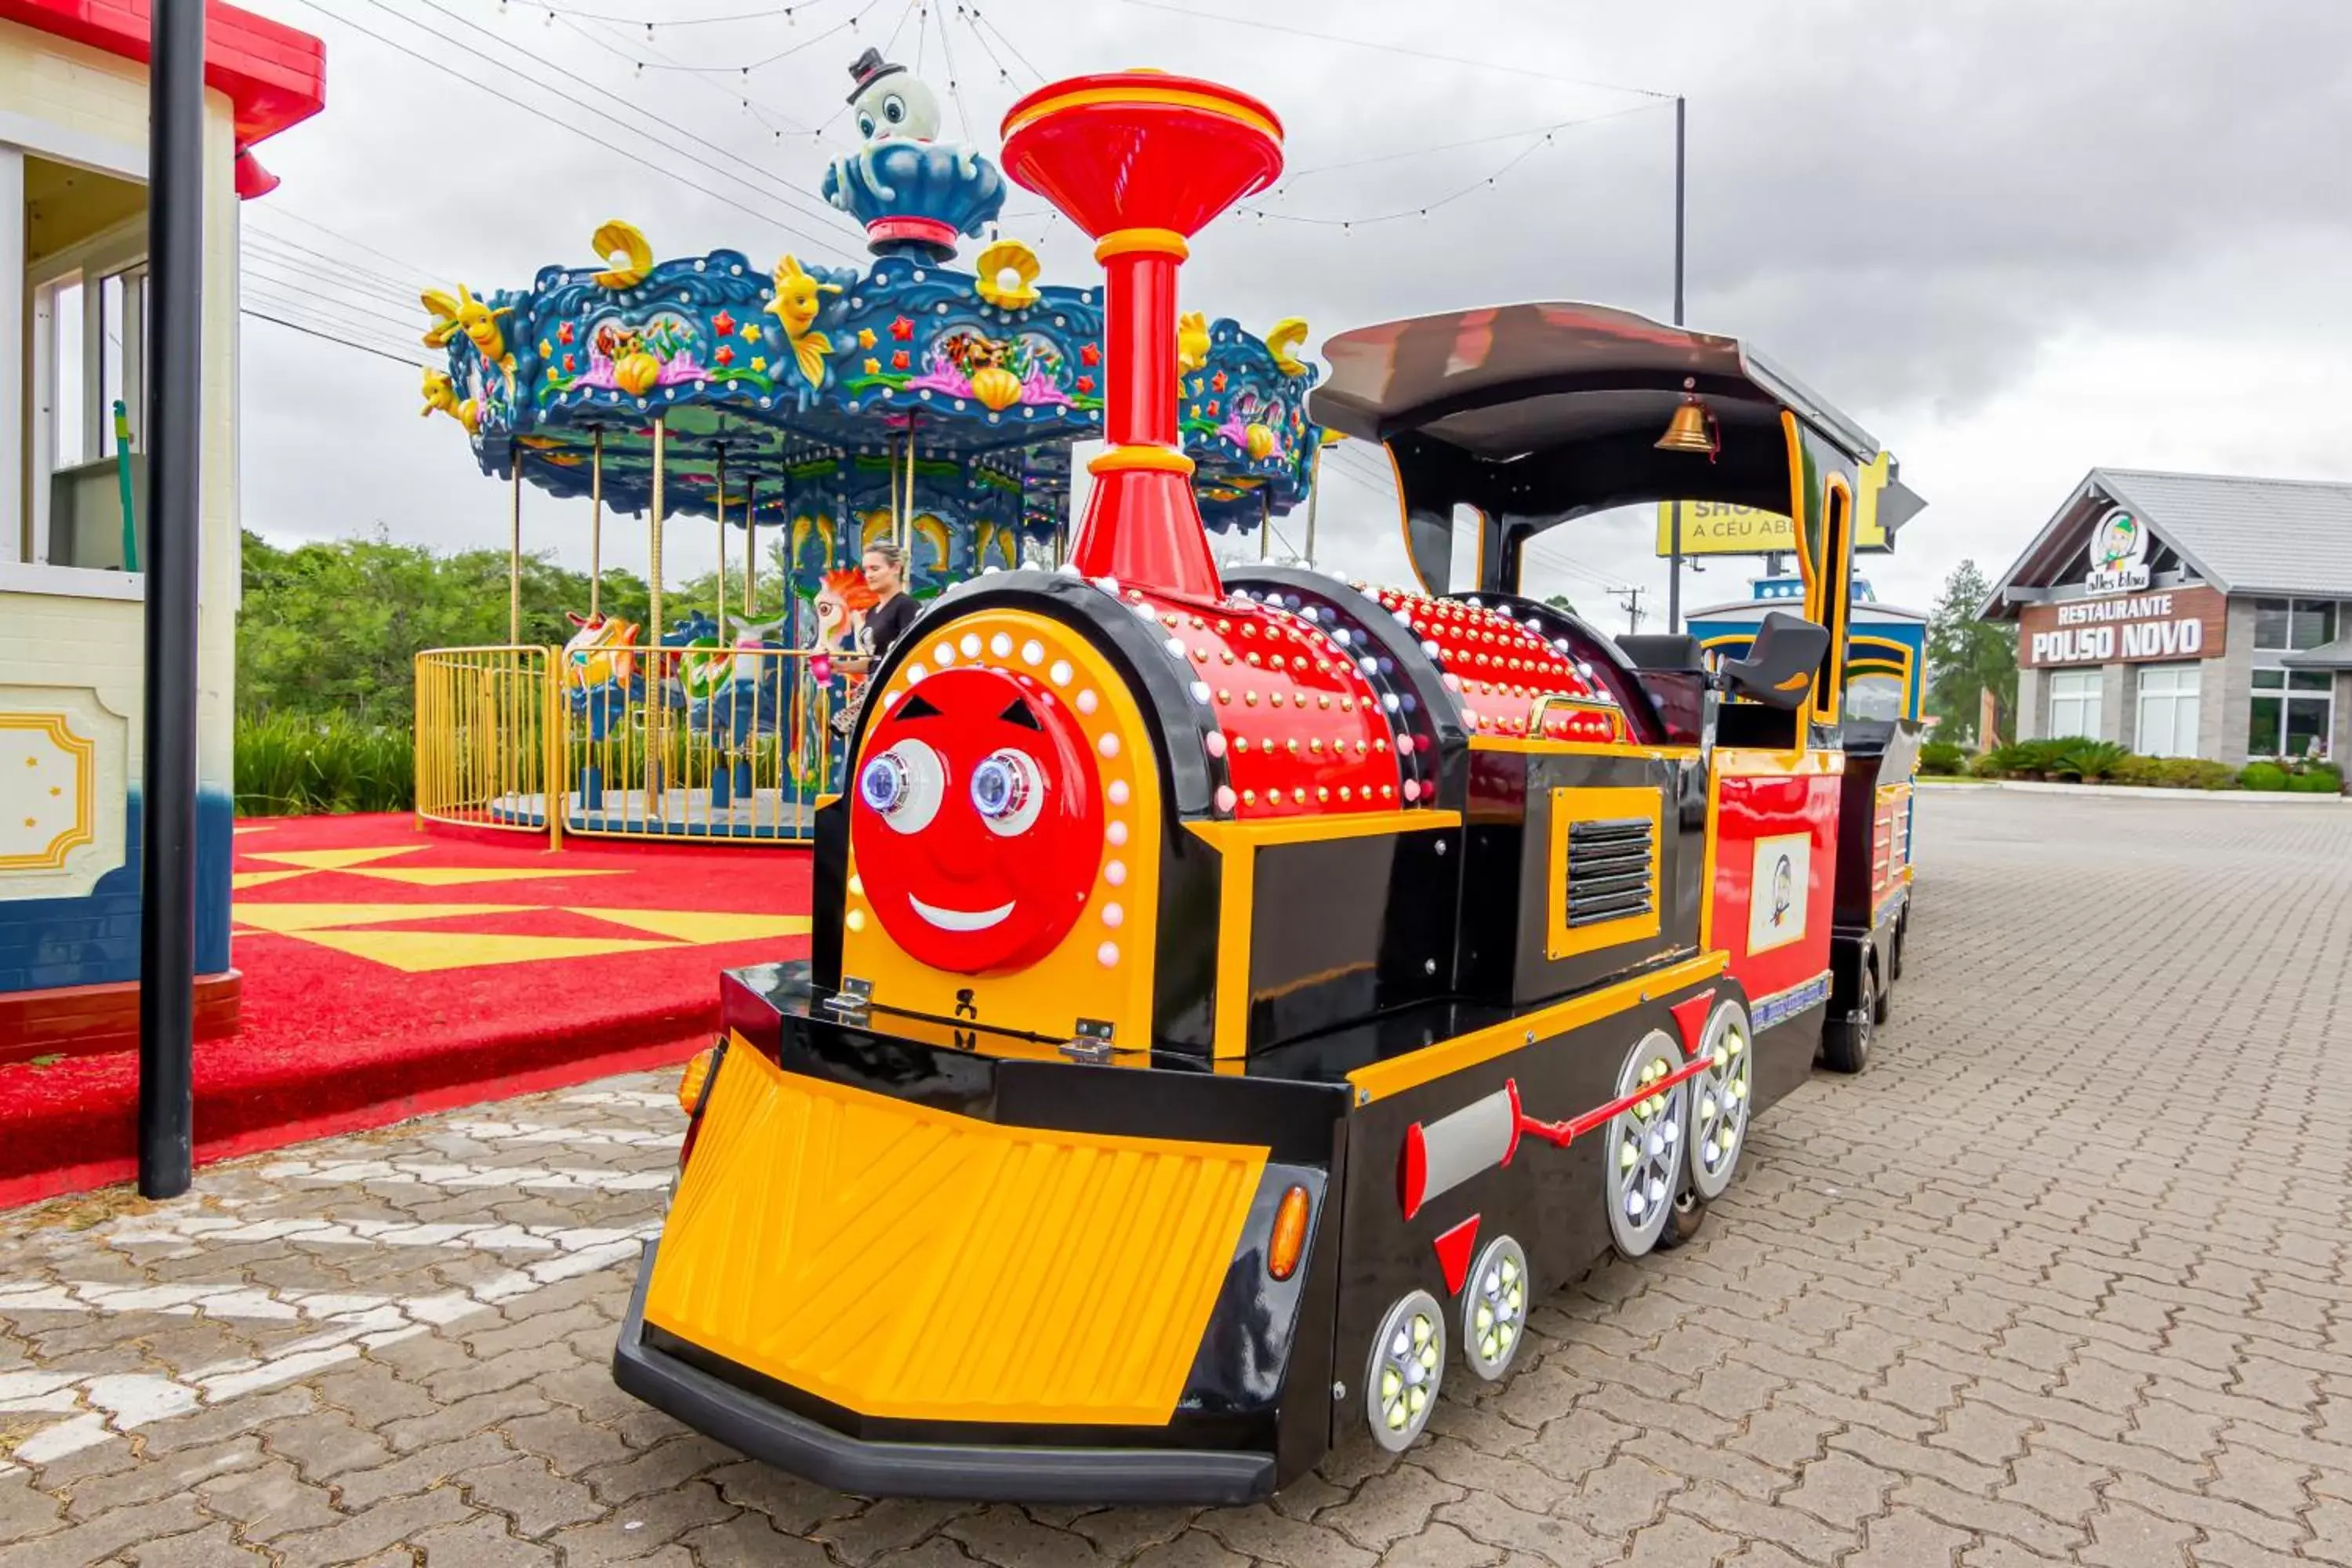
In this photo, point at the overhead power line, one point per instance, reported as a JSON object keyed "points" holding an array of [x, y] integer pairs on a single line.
{"points": [[326, 336], [768, 184], [616, 149], [278, 208]]}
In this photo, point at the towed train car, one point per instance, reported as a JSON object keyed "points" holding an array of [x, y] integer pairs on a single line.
{"points": [[1885, 693], [1234, 1001]]}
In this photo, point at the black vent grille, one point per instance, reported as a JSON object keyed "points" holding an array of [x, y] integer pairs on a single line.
{"points": [[1609, 870]]}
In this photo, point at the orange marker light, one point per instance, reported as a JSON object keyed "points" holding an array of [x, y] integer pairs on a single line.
{"points": [[696, 1078], [1290, 1235]]}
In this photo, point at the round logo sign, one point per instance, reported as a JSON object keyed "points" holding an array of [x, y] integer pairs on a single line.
{"points": [[2119, 542]]}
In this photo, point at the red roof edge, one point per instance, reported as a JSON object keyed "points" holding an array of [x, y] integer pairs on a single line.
{"points": [[275, 75]]}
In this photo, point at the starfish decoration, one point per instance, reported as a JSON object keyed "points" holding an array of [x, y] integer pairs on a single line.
{"points": [[1218, 383], [902, 329], [873, 366], [563, 333], [864, 337], [722, 323], [1088, 354]]}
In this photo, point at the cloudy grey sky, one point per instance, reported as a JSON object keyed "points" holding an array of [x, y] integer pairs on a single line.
{"points": [[2013, 238]]}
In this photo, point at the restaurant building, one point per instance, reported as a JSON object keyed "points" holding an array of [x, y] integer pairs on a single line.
{"points": [[2188, 615]]}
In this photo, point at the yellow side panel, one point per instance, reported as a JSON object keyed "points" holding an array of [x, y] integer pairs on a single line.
{"points": [[905, 1262], [1603, 804]]}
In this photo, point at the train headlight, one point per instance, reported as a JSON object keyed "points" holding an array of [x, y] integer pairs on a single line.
{"points": [[904, 786], [1008, 790]]}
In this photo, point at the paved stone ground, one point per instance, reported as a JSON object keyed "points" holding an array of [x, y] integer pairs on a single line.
{"points": [[2064, 1277]]}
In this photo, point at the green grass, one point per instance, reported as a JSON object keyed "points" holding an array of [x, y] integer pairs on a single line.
{"points": [[291, 764]]}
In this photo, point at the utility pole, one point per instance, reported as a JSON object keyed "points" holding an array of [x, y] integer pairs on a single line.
{"points": [[175, 424], [1674, 559], [1631, 598]]}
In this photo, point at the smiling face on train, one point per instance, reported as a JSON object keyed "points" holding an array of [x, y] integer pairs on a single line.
{"points": [[977, 822]]}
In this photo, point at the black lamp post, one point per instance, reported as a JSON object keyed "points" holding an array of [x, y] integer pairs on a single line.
{"points": [[176, 302], [1674, 559]]}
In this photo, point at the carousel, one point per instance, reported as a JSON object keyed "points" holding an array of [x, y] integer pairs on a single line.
{"points": [[773, 419]]}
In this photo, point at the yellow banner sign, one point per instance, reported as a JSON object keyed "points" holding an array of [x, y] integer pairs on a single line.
{"points": [[1718, 528]]}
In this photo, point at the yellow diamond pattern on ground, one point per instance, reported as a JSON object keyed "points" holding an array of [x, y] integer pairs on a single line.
{"points": [[466, 875], [702, 927], [284, 919], [423, 952], [334, 859], [240, 880]]}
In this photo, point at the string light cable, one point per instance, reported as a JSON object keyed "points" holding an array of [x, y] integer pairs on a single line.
{"points": [[824, 246], [1539, 139], [776, 188], [1259, 24]]}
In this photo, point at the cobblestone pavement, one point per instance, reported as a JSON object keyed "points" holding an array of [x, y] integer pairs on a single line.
{"points": [[2063, 1278]]}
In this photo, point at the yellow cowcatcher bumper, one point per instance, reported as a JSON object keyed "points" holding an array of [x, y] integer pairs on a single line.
{"points": [[909, 1263]]}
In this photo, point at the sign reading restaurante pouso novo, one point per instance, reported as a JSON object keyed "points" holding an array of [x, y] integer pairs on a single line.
{"points": [[2137, 629]]}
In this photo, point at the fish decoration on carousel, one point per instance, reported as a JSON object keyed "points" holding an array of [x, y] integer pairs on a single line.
{"points": [[806, 527], [1192, 342], [1002, 539], [441, 397], [795, 306]]}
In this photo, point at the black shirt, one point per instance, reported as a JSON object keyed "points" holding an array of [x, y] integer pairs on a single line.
{"points": [[886, 624]]}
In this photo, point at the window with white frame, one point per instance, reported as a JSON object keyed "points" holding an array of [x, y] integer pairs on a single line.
{"points": [[85, 292], [2167, 719], [2293, 712], [2075, 704]]}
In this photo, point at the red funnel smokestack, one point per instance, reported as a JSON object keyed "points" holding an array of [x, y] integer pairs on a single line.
{"points": [[1141, 161]]}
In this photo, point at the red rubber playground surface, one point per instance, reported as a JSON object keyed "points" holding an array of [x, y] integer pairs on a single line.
{"points": [[390, 971]]}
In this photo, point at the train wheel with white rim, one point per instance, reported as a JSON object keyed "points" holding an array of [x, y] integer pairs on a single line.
{"points": [[1643, 1160], [1718, 1101], [1408, 1358], [1495, 1309]]}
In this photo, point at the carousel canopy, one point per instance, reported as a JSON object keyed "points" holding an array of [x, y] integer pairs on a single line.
{"points": [[771, 384]]}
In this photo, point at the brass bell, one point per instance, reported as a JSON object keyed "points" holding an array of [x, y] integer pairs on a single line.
{"points": [[1693, 428]]}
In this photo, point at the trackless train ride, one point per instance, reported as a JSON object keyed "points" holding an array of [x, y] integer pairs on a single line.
{"points": [[1237, 998]]}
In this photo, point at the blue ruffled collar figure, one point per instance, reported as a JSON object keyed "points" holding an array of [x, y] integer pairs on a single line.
{"points": [[913, 193]]}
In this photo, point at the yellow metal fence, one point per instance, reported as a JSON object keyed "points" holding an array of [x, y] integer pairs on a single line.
{"points": [[727, 744], [485, 746]]}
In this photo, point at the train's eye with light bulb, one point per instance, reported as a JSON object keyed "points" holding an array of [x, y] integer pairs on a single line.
{"points": [[1008, 790], [904, 786]]}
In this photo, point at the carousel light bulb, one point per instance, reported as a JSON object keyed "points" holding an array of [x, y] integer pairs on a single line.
{"points": [[1112, 914], [1087, 701], [1061, 672], [1108, 954], [1115, 832], [1032, 652]]}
